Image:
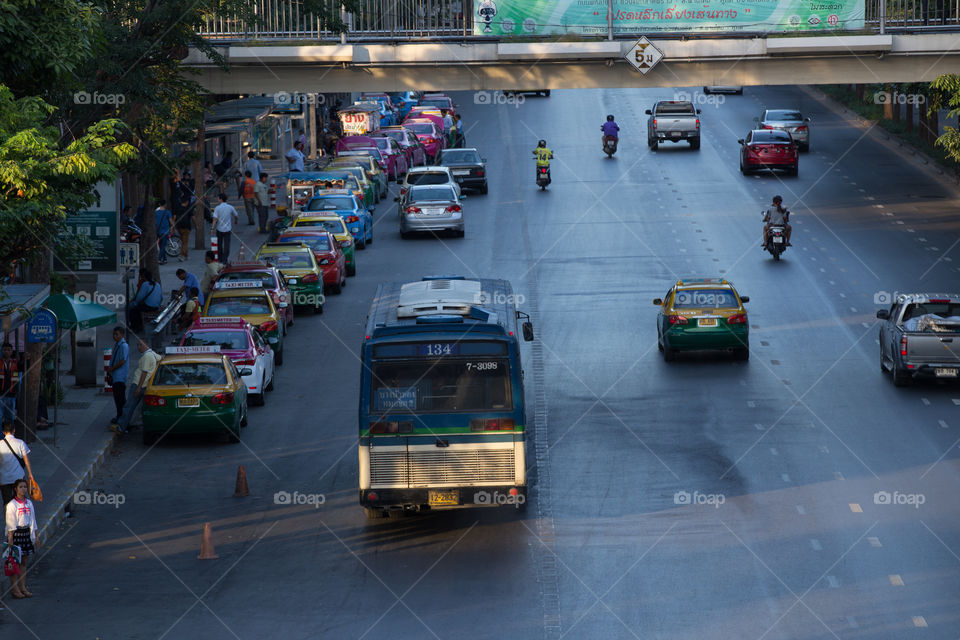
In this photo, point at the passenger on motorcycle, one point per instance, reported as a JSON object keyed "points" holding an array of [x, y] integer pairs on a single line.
{"points": [[610, 129], [776, 215], [543, 154]]}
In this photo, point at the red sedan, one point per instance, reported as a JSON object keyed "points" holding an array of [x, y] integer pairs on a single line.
{"points": [[269, 278], [768, 149], [429, 134], [394, 154], [408, 140], [327, 252]]}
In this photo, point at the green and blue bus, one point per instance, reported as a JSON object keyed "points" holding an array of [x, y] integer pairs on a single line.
{"points": [[442, 421]]}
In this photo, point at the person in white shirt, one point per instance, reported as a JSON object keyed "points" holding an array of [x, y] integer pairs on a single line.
{"points": [[224, 217], [253, 166], [295, 157], [21, 530], [14, 461], [137, 385]]}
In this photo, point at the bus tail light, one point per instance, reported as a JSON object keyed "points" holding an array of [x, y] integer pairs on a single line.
{"points": [[372, 497], [678, 320], [154, 401], [492, 424], [222, 398], [903, 346], [740, 318]]}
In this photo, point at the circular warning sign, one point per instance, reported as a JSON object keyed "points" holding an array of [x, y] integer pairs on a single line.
{"points": [[833, 20]]}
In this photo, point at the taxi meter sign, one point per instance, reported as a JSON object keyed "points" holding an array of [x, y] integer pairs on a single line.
{"points": [[644, 56], [238, 284], [192, 350]]}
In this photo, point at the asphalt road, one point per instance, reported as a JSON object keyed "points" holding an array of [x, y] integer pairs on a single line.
{"points": [[704, 498]]}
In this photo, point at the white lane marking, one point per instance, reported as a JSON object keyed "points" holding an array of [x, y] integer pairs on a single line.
{"points": [[785, 477], [879, 206], [866, 325], [856, 508], [801, 510], [773, 451], [758, 427], [842, 295], [853, 309], [956, 400], [833, 582], [822, 270], [831, 282], [824, 449], [852, 622], [943, 424], [751, 404], [919, 621], [896, 580], [815, 544], [838, 476], [925, 401], [874, 541]]}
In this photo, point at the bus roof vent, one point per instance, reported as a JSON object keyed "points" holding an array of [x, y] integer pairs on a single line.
{"points": [[430, 297]]}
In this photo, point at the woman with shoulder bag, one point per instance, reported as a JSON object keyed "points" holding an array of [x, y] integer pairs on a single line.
{"points": [[14, 462], [21, 526]]}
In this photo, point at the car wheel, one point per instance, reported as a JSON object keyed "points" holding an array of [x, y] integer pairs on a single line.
{"points": [[459, 233], [484, 188], [361, 245], [405, 235], [269, 386], [374, 514], [278, 357], [669, 355], [259, 399], [899, 378], [742, 353], [243, 421], [739, 92], [546, 94], [336, 289], [794, 171], [317, 309], [352, 270], [805, 147], [695, 144], [654, 143], [370, 239], [149, 437]]}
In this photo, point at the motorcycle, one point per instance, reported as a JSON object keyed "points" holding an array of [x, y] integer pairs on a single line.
{"points": [[543, 177], [776, 241], [130, 233], [609, 145]]}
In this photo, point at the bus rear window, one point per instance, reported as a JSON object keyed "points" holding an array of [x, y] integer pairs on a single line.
{"points": [[446, 385]]}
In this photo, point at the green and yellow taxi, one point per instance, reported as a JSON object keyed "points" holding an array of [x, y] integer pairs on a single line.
{"points": [[304, 276], [702, 313], [371, 194], [195, 390], [376, 175], [248, 299], [335, 225]]}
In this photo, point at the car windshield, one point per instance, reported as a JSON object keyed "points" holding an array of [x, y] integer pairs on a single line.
{"points": [[428, 177], [705, 298], [678, 107], [383, 143], [399, 136], [784, 116], [431, 193], [331, 203], [238, 305], [460, 156], [333, 226], [292, 260], [232, 339], [315, 242], [421, 128], [265, 277], [189, 374], [770, 136], [445, 385], [440, 103]]}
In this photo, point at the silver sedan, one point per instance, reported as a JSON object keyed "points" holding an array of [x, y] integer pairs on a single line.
{"points": [[788, 120], [431, 208]]}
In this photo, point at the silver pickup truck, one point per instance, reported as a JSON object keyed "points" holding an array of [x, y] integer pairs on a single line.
{"points": [[920, 337], [673, 120]]}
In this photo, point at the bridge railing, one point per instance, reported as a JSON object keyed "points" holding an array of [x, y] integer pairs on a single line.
{"points": [[449, 19]]}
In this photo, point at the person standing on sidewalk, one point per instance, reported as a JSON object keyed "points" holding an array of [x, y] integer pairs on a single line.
{"points": [[263, 199], [184, 223], [149, 298], [253, 166], [164, 218], [9, 383], [14, 462], [458, 138], [295, 157], [138, 384], [21, 528], [249, 196], [119, 370], [210, 272], [224, 217]]}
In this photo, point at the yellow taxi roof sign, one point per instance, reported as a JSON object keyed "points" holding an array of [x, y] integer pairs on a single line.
{"points": [[170, 351]]}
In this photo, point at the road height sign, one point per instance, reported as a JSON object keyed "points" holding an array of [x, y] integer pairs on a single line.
{"points": [[643, 55]]}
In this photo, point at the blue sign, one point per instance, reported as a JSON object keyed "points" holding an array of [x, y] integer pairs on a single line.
{"points": [[42, 327]]}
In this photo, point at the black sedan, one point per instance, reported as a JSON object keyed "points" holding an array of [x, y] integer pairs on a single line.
{"points": [[468, 168]]}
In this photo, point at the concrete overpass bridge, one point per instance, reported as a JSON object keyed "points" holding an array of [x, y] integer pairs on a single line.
{"points": [[440, 47]]}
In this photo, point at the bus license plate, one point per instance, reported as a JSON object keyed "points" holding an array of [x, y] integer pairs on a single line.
{"points": [[188, 402], [945, 373], [441, 498]]}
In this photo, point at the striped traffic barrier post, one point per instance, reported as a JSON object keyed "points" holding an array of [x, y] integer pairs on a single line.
{"points": [[107, 356], [213, 246]]}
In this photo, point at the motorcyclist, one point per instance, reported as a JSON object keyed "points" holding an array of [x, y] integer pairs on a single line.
{"points": [[610, 129], [543, 154], [776, 215]]}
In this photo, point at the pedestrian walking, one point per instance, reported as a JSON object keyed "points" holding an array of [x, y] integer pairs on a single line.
{"points": [[137, 384], [164, 219], [295, 157], [224, 217], [149, 298], [9, 383], [458, 138], [249, 196], [14, 462], [119, 370], [21, 530], [263, 199], [210, 272], [253, 166], [184, 223], [302, 139]]}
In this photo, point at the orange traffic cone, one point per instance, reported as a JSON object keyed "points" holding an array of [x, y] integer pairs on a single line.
{"points": [[206, 544], [241, 489]]}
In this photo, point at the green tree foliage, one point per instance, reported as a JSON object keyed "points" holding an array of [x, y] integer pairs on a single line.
{"points": [[948, 95], [42, 180]]}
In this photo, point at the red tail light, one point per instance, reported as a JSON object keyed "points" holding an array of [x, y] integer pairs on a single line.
{"points": [[222, 398], [654, 123], [453, 208], [543, 169], [678, 320], [310, 278], [903, 346], [413, 210], [480, 172], [739, 318], [431, 141], [698, 123], [352, 219], [801, 128], [154, 401], [939, 300], [269, 325], [246, 362]]}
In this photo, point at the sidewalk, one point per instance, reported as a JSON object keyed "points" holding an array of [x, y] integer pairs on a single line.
{"points": [[83, 439]]}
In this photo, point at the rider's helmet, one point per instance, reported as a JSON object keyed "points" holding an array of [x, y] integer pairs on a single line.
{"points": [[777, 199], [610, 118], [542, 143]]}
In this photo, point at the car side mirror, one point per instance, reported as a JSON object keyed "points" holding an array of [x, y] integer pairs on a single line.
{"points": [[807, 119], [483, 160], [883, 314], [397, 199], [648, 112], [744, 299], [698, 110], [245, 371], [740, 140], [658, 302], [463, 196], [371, 208], [527, 328]]}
